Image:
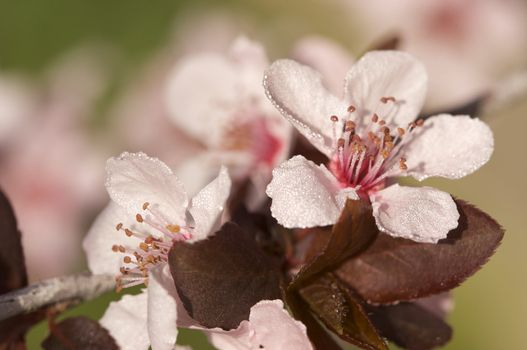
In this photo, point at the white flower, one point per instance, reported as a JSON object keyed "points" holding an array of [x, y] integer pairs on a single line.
{"points": [[217, 99], [150, 210], [370, 136]]}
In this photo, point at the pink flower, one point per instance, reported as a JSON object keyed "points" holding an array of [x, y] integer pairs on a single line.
{"points": [[370, 137], [218, 101], [150, 210], [465, 45], [49, 169]]}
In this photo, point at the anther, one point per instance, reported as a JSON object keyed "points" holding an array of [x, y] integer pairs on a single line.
{"points": [[119, 226], [387, 99], [341, 142], [128, 232], [400, 131], [351, 109], [173, 228], [143, 246], [375, 118], [145, 205], [349, 126], [419, 122], [122, 249], [127, 259], [334, 118], [139, 218], [115, 248]]}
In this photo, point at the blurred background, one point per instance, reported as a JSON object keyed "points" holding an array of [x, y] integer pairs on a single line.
{"points": [[83, 80]]}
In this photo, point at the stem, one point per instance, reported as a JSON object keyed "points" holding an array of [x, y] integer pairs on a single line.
{"points": [[72, 289]]}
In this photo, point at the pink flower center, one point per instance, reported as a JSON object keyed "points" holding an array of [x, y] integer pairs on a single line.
{"points": [[151, 250], [254, 136], [365, 157]]}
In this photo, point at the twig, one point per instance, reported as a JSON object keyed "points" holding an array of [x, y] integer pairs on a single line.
{"points": [[74, 289]]}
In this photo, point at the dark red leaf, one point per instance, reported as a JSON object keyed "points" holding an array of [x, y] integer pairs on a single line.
{"points": [[389, 42], [221, 278], [319, 337], [79, 333], [394, 269], [352, 233], [341, 312], [12, 276], [410, 326], [12, 266]]}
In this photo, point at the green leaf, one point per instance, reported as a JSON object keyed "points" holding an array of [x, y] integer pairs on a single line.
{"points": [[341, 312], [219, 279], [352, 233], [395, 269]]}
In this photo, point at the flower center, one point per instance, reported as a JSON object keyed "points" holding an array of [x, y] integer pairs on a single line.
{"points": [[156, 236], [364, 157]]}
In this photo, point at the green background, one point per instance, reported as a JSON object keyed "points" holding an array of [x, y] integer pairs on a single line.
{"points": [[491, 308]]}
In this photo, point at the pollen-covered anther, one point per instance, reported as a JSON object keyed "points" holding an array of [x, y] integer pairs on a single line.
{"points": [[115, 248], [402, 164], [349, 126], [146, 205], [173, 228], [143, 246], [119, 226], [139, 218], [127, 259], [128, 232], [387, 99]]}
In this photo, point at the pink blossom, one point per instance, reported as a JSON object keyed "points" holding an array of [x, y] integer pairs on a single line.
{"points": [[150, 210], [370, 137]]}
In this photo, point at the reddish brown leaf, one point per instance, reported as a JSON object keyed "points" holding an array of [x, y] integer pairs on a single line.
{"points": [[221, 278], [319, 337], [352, 233], [79, 333], [342, 313], [12, 266], [393, 269], [410, 326]]}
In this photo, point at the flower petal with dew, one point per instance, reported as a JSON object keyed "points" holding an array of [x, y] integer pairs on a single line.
{"points": [[422, 214], [150, 209], [370, 137]]}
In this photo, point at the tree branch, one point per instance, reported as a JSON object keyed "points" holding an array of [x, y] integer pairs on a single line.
{"points": [[73, 289]]}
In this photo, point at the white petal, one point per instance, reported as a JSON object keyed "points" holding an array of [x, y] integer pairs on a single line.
{"points": [[449, 146], [126, 321], [162, 309], [208, 205], [135, 178], [201, 89], [303, 194], [422, 214], [102, 236], [387, 74], [269, 327], [327, 57], [297, 91]]}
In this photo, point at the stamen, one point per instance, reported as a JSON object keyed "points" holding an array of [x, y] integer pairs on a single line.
{"points": [[351, 109]]}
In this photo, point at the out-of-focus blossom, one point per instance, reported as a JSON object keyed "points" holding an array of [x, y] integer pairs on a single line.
{"points": [[465, 45], [327, 57], [49, 168], [16, 103], [218, 100], [151, 211], [371, 136]]}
